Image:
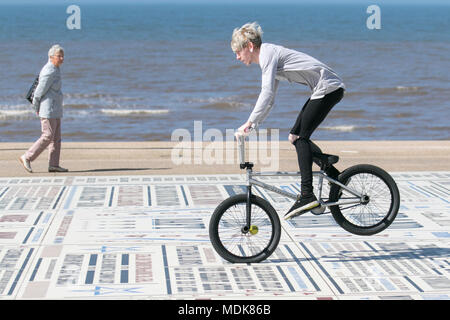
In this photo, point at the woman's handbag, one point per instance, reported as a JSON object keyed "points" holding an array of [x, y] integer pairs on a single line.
{"points": [[30, 93]]}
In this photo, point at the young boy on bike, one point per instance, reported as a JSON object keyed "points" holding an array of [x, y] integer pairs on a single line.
{"points": [[279, 63]]}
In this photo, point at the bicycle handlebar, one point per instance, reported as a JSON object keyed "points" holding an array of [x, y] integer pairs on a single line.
{"points": [[240, 136]]}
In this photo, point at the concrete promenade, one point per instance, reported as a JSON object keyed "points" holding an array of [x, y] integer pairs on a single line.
{"points": [[128, 223], [148, 158]]}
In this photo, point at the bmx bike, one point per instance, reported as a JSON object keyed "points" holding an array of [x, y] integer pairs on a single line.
{"points": [[245, 228]]}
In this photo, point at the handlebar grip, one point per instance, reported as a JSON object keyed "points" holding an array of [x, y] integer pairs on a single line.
{"points": [[240, 136], [241, 144]]}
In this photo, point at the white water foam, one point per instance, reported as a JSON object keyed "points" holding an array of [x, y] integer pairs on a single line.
{"points": [[403, 88], [12, 114], [130, 112], [340, 128]]}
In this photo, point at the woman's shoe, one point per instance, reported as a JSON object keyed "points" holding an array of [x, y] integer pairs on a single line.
{"points": [[57, 169], [26, 163]]}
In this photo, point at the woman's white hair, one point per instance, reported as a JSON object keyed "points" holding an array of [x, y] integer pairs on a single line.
{"points": [[248, 32], [55, 49]]}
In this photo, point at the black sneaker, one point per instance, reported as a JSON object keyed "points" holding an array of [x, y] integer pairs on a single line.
{"points": [[302, 205]]}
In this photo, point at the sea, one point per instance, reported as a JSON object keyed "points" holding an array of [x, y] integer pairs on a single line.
{"points": [[139, 72]]}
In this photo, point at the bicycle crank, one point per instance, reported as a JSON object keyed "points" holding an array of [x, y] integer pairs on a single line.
{"points": [[318, 210]]}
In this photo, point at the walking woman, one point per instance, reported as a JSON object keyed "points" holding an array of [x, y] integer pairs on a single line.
{"points": [[279, 63], [48, 104]]}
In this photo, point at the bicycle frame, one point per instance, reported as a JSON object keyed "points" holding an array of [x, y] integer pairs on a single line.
{"points": [[359, 198], [251, 181]]}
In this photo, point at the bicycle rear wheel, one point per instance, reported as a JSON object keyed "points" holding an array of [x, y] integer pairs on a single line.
{"points": [[380, 206], [230, 238]]}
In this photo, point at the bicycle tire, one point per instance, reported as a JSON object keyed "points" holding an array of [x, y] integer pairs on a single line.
{"points": [[239, 253], [379, 198]]}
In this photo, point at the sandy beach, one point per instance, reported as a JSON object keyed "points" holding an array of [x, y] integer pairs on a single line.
{"points": [[159, 158]]}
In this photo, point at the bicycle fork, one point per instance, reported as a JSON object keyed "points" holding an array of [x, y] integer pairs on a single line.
{"points": [[248, 211], [248, 207]]}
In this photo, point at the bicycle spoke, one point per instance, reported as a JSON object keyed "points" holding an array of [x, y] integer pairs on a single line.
{"points": [[240, 243], [373, 212]]}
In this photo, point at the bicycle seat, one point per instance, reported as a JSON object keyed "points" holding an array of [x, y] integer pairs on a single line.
{"points": [[324, 159]]}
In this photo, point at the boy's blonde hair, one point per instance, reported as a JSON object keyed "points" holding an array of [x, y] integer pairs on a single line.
{"points": [[249, 32]]}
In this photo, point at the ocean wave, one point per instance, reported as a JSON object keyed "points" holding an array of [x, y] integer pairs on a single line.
{"points": [[402, 88], [411, 90], [395, 90], [339, 128], [88, 95], [349, 128], [16, 114], [132, 112], [221, 103]]}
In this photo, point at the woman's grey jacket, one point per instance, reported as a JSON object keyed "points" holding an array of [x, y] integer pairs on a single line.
{"points": [[48, 97]]}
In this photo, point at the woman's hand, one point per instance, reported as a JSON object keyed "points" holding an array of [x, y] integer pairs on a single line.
{"points": [[293, 137]]}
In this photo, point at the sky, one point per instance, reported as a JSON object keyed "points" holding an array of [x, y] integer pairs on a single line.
{"points": [[362, 2]]}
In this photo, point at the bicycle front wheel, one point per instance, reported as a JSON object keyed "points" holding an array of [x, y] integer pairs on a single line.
{"points": [[238, 244], [379, 207]]}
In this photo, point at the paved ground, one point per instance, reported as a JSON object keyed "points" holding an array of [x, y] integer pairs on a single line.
{"points": [[169, 158], [146, 237]]}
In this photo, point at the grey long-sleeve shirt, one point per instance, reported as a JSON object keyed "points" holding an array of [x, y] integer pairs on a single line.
{"points": [[279, 63]]}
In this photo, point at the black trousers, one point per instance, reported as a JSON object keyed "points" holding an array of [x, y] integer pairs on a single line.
{"points": [[312, 114]]}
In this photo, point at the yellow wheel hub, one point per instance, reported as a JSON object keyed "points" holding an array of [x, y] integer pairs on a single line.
{"points": [[253, 230]]}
